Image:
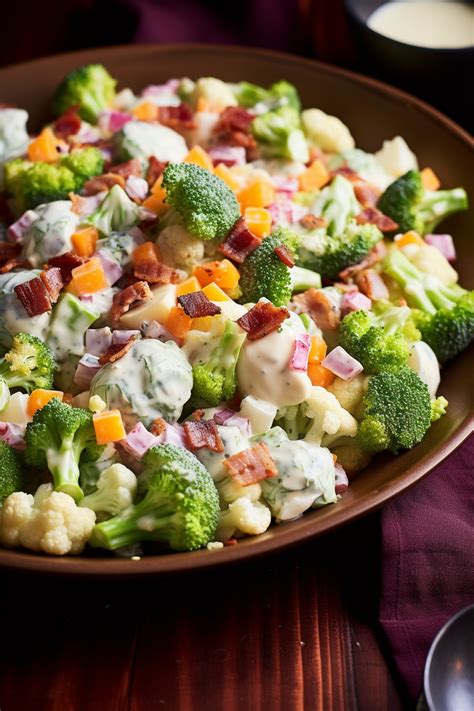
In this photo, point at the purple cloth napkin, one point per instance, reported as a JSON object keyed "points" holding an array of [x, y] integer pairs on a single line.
{"points": [[427, 561]]}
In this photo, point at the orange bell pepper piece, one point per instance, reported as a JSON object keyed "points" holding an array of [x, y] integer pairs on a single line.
{"points": [[223, 273], [178, 322], [318, 350], [198, 156], [108, 426], [319, 375], [84, 241], [429, 179], [44, 147], [314, 177], [39, 398], [258, 194], [89, 277], [223, 172], [258, 220]]}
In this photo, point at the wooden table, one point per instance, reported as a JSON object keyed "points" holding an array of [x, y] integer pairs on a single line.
{"points": [[290, 632]]}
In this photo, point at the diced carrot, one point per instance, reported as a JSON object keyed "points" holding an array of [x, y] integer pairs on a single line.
{"points": [[223, 273], [146, 111], [410, 237], [45, 147], [319, 375], [223, 172], [178, 322], [89, 277], [318, 350], [108, 426], [258, 220], [39, 398], [429, 179], [198, 156], [157, 187], [188, 286], [203, 323], [258, 194], [215, 293], [144, 252], [155, 204], [313, 177], [84, 241]]}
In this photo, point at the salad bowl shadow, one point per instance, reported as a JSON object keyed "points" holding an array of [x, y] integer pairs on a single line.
{"points": [[374, 112]]}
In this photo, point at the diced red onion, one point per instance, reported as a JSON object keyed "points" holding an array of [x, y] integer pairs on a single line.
{"points": [[136, 188], [123, 336], [85, 371], [138, 441], [154, 329], [87, 134], [445, 245], [171, 87], [286, 212], [13, 434], [173, 434], [241, 422], [229, 155], [339, 362], [85, 206], [107, 153], [299, 359], [355, 301], [284, 184], [113, 121], [16, 232], [98, 340], [112, 270], [342, 482], [138, 235], [222, 414], [145, 215]]}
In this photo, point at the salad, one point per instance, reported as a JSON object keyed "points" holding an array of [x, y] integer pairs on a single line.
{"points": [[214, 311]]}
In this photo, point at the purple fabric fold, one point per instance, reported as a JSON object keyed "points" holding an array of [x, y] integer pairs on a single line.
{"points": [[427, 561]]}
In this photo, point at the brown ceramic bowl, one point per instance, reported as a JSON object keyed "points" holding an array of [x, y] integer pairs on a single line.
{"points": [[374, 112]]}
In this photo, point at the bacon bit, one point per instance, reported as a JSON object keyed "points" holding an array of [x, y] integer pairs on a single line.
{"points": [[284, 254], [251, 465], [155, 169], [375, 255], [233, 128], [372, 216], [116, 351], [262, 319], [366, 194], [371, 284], [131, 167], [176, 116], [198, 415], [121, 303], [346, 288], [15, 263], [231, 542], [312, 222], [239, 243], [68, 124], [196, 305], [78, 203], [203, 434], [158, 426], [34, 297], [53, 281], [103, 182], [149, 268], [66, 263], [320, 309], [9, 250], [347, 173]]}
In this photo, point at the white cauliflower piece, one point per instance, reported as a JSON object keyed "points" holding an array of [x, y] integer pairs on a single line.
{"points": [[243, 516], [325, 131], [430, 260], [179, 249], [230, 490], [49, 522], [396, 158], [215, 91], [116, 489], [350, 392], [330, 420]]}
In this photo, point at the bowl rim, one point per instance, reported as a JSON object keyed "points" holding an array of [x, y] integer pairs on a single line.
{"points": [[250, 548]]}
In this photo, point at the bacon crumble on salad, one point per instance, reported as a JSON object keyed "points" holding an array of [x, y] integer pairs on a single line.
{"points": [[215, 310]]}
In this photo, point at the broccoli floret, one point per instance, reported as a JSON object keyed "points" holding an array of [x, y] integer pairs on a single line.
{"points": [[13, 174], [11, 476], [438, 408], [413, 208], [208, 207], [282, 93], [56, 438], [443, 314], [84, 163], [29, 364], [337, 204], [91, 88], [215, 380], [329, 256], [264, 275], [280, 135], [180, 507], [397, 412], [378, 342]]}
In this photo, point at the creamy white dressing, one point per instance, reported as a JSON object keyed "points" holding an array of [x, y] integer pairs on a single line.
{"points": [[142, 140], [426, 23], [50, 234], [234, 441]]}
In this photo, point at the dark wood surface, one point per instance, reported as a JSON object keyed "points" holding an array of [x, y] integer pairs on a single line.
{"points": [[290, 632]]}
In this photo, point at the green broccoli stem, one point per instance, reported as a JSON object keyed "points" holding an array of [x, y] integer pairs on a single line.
{"points": [[436, 205], [303, 279], [223, 359], [64, 467]]}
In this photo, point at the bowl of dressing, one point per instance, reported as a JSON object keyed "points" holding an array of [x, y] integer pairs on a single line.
{"points": [[424, 46]]}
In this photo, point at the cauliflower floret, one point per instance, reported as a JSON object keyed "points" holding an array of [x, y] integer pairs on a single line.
{"points": [[49, 522], [13, 134], [116, 489], [330, 420], [350, 392], [396, 158], [230, 490], [179, 249], [243, 516], [325, 131], [215, 91], [431, 261], [350, 455], [234, 441]]}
